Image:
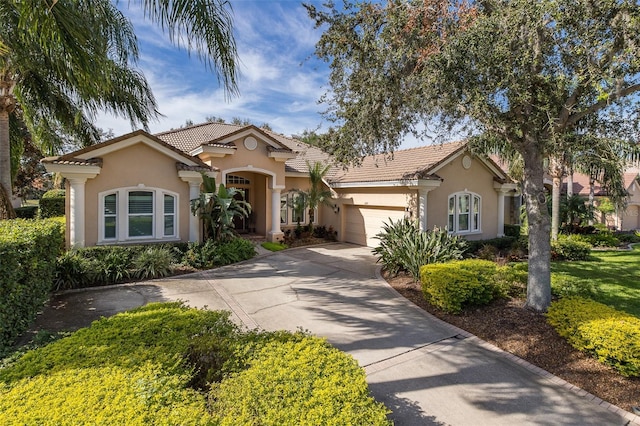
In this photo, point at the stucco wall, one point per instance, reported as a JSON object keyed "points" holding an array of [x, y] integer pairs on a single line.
{"points": [[630, 217], [137, 165], [244, 159], [478, 179]]}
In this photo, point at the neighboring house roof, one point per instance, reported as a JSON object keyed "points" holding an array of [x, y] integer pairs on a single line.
{"points": [[581, 183], [86, 157], [414, 163]]}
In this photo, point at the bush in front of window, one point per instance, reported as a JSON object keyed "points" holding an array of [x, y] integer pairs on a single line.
{"points": [[52, 203], [217, 253], [28, 251], [403, 247], [153, 262], [452, 286]]}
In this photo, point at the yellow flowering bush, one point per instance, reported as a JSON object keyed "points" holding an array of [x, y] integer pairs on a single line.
{"points": [[154, 366], [612, 336], [304, 382]]}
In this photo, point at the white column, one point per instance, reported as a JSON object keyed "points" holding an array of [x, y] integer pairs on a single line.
{"points": [[275, 232], [424, 187], [422, 208], [194, 220], [500, 214], [76, 212]]}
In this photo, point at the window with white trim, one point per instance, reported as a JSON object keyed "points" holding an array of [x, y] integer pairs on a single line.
{"points": [[138, 214], [110, 214], [293, 209], [464, 213]]}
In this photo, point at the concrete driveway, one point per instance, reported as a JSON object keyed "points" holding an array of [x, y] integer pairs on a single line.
{"points": [[426, 371]]}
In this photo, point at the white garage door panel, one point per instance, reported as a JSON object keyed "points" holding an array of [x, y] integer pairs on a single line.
{"points": [[364, 223]]}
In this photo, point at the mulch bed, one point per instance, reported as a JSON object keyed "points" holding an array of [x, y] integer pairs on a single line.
{"points": [[526, 334]]}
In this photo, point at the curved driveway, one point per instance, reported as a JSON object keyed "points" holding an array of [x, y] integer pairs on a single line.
{"points": [[426, 371]]}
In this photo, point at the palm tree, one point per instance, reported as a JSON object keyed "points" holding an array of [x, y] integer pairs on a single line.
{"points": [[316, 194], [218, 208], [62, 61]]}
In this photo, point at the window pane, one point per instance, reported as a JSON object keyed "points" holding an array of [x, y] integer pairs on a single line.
{"points": [[110, 204], [140, 202], [169, 204], [169, 224], [283, 209], [452, 205], [298, 208], [476, 214], [463, 222], [463, 204], [140, 226], [110, 227]]}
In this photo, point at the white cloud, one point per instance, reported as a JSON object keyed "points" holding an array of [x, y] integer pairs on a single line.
{"points": [[278, 84]]}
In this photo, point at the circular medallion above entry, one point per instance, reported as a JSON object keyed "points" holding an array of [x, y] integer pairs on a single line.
{"points": [[250, 143], [466, 161]]}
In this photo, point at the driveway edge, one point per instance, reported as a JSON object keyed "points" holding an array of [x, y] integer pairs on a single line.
{"points": [[633, 419]]}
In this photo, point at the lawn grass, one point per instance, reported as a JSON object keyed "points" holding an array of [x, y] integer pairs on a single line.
{"points": [[274, 246], [615, 273]]}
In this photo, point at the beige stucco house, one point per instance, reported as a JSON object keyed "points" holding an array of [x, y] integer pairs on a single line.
{"points": [[625, 219], [137, 188]]}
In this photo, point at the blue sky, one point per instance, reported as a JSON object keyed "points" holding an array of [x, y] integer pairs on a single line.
{"points": [[280, 79]]}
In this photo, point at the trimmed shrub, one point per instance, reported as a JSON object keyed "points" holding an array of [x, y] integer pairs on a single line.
{"points": [[501, 244], [511, 279], [512, 230], [133, 360], [137, 367], [52, 203], [305, 382], [570, 247], [602, 239], [565, 285], [403, 247], [451, 286], [26, 212], [612, 336], [212, 253], [28, 252], [232, 251]]}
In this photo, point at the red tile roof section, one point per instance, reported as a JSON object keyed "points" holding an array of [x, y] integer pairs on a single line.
{"points": [[411, 163]]}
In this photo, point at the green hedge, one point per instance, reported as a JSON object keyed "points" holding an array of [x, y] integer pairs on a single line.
{"points": [[52, 203], [26, 212], [138, 368], [28, 251], [570, 247], [105, 265], [294, 383], [612, 336], [453, 285]]}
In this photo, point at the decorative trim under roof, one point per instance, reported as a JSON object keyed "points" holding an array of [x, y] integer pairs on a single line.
{"points": [[72, 161]]}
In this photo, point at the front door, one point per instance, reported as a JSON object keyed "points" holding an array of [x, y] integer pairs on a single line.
{"points": [[241, 224]]}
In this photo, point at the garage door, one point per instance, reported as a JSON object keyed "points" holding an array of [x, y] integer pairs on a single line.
{"points": [[363, 223]]}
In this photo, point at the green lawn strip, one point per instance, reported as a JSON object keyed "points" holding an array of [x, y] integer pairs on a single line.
{"points": [[616, 274], [273, 246]]}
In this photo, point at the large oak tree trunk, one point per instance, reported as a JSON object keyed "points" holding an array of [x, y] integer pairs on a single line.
{"points": [[539, 281]]}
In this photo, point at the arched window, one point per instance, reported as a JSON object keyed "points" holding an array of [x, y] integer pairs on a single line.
{"points": [[464, 213]]}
